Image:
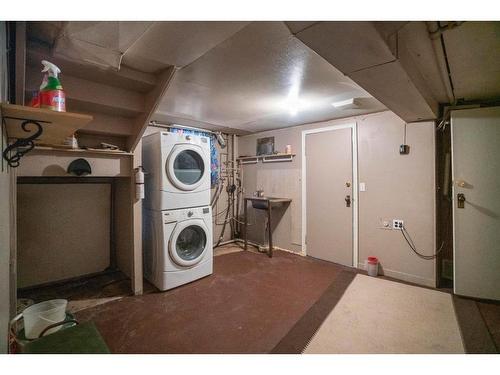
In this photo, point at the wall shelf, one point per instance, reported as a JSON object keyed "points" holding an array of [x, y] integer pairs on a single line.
{"points": [[81, 151], [28, 125], [275, 158]]}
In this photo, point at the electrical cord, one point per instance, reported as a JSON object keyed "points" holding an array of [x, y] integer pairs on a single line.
{"points": [[225, 220], [412, 246]]}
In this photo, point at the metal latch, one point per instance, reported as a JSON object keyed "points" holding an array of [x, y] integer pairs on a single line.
{"points": [[460, 200], [348, 201]]}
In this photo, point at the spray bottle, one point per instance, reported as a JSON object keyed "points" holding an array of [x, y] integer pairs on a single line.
{"points": [[51, 92]]}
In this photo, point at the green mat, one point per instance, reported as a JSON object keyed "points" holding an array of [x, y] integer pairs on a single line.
{"points": [[81, 339]]}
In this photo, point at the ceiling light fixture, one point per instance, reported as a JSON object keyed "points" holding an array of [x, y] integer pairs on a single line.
{"points": [[294, 106], [347, 104]]}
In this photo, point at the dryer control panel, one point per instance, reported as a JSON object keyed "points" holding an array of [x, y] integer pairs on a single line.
{"points": [[186, 213]]}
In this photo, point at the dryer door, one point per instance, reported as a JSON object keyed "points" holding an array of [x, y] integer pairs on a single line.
{"points": [[188, 242], [186, 167]]}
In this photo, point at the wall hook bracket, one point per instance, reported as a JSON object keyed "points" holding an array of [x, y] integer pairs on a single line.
{"points": [[14, 152]]}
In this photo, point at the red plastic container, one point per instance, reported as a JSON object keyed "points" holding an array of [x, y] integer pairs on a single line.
{"points": [[372, 266]]}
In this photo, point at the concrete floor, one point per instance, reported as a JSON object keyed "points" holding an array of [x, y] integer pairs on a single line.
{"points": [[247, 305], [251, 272]]}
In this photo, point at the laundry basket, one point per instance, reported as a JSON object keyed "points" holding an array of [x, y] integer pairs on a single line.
{"points": [[41, 315], [17, 336]]}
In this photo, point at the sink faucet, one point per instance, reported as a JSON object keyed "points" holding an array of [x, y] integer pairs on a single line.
{"points": [[259, 193]]}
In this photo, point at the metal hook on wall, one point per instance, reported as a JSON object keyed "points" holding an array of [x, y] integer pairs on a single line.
{"points": [[14, 152]]}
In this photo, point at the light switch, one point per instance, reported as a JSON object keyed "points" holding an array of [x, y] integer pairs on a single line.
{"points": [[362, 186]]}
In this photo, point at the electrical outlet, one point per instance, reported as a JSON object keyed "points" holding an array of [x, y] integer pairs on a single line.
{"points": [[397, 224], [385, 223]]}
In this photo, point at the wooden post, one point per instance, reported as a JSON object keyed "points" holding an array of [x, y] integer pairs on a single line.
{"points": [[152, 101], [20, 61], [136, 213], [269, 214]]}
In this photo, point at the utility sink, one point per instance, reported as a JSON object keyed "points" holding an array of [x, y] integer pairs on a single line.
{"points": [[267, 204], [262, 203]]}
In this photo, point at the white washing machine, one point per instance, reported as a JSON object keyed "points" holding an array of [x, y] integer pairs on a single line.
{"points": [[177, 246], [177, 168]]}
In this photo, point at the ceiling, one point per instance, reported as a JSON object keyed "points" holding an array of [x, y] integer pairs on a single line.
{"points": [[177, 43], [254, 76], [261, 78], [473, 51], [242, 76]]}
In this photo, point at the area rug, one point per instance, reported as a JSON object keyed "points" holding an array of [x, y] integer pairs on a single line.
{"points": [[381, 316]]}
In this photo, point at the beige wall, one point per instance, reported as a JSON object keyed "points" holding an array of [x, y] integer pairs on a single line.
{"points": [[5, 207], [397, 187], [63, 231]]}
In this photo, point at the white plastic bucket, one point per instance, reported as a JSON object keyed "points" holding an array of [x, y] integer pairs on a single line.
{"points": [[372, 266], [41, 315]]}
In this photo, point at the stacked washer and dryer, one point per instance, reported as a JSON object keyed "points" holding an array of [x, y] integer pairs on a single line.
{"points": [[177, 219]]}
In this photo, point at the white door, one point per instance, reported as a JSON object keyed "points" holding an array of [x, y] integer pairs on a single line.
{"points": [[476, 178], [330, 188]]}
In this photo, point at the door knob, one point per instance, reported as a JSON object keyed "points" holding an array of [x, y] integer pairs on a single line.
{"points": [[460, 200], [348, 201]]}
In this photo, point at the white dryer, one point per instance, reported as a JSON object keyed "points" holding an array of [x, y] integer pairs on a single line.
{"points": [[177, 170], [177, 246]]}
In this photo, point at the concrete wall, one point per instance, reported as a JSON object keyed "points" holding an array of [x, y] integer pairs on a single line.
{"points": [[397, 187]]}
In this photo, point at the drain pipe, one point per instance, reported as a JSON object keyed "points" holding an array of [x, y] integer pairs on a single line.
{"points": [[436, 38]]}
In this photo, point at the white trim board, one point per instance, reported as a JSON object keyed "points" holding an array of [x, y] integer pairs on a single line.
{"points": [[453, 202], [398, 275], [354, 137]]}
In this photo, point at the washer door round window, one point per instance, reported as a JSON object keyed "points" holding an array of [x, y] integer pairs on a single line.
{"points": [[186, 168], [188, 243], [191, 243]]}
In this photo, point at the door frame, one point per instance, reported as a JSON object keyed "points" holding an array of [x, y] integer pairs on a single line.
{"points": [[453, 201], [355, 185]]}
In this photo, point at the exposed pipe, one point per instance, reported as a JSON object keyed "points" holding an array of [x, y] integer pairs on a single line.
{"points": [[218, 191], [233, 174], [433, 28], [163, 125], [441, 29]]}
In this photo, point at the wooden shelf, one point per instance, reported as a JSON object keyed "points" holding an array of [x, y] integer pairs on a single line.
{"points": [[57, 126], [81, 151], [274, 158]]}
